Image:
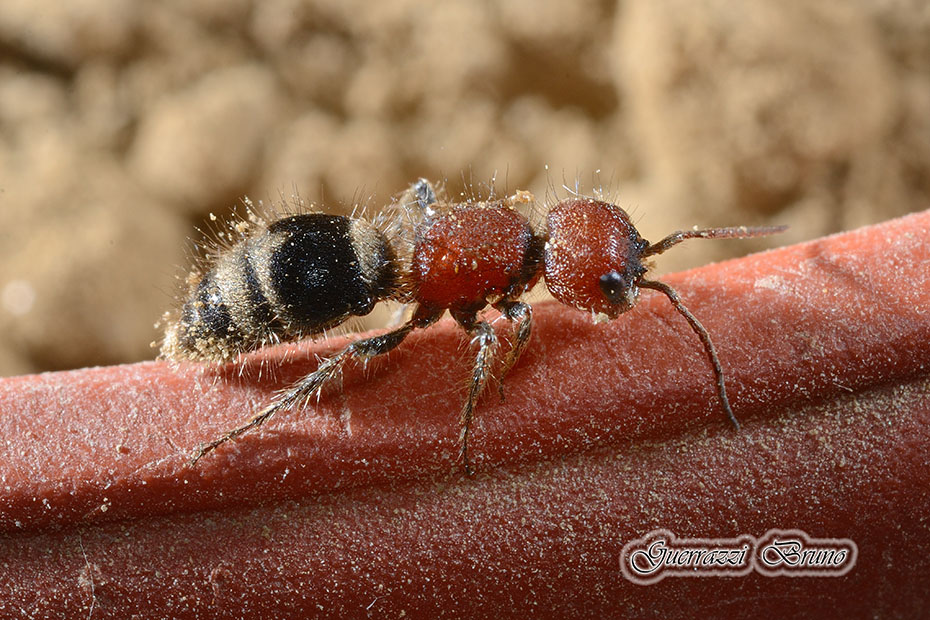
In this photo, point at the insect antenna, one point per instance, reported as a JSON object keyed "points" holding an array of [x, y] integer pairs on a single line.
{"points": [[703, 335], [736, 232]]}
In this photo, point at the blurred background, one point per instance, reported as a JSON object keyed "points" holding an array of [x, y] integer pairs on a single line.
{"points": [[123, 124]]}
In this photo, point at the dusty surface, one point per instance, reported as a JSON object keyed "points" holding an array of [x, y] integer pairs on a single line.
{"points": [[805, 323], [356, 507], [124, 124]]}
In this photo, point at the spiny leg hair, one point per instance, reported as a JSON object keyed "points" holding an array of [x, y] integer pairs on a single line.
{"points": [[304, 388], [483, 334], [523, 314]]}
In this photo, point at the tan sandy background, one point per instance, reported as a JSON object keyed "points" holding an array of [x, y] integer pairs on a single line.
{"points": [[123, 124]]}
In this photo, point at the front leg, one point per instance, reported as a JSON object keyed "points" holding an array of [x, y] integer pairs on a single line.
{"points": [[483, 335], [523, 314]]}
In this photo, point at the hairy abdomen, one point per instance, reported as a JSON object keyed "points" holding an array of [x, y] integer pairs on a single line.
{"points": [[296, 277]]}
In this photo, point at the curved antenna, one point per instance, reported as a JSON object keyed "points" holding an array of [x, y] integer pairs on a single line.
{"points": [[702, 334], [736, 232]]}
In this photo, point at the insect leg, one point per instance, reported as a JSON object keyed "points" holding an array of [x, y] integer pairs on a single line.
{"points": [[420, 198], [483, 335], [515, 311], [703, 335], [424, 193], [304, 388]]}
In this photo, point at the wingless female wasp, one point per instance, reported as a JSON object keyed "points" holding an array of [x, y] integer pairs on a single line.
{"points": [[290, 278]]}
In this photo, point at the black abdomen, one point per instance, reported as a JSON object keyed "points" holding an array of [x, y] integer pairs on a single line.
{"points": [[315, 272], [299, 276]]}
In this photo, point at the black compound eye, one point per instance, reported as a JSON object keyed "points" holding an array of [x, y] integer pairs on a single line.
{"points": [[614, 286]]}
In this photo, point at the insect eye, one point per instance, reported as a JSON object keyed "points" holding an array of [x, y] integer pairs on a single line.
{"points": [[614, 286]]}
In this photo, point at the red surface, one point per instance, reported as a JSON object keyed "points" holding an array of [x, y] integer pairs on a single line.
{"points": [[356, 507], [469, 254], [588, 239]]}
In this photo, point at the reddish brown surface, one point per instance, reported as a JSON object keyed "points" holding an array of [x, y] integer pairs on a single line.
{"points": [[470, 254], [356, 506], [587, 239]]}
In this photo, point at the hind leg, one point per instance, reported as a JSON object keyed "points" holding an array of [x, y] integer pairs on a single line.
{"points": [[306, 387]]}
